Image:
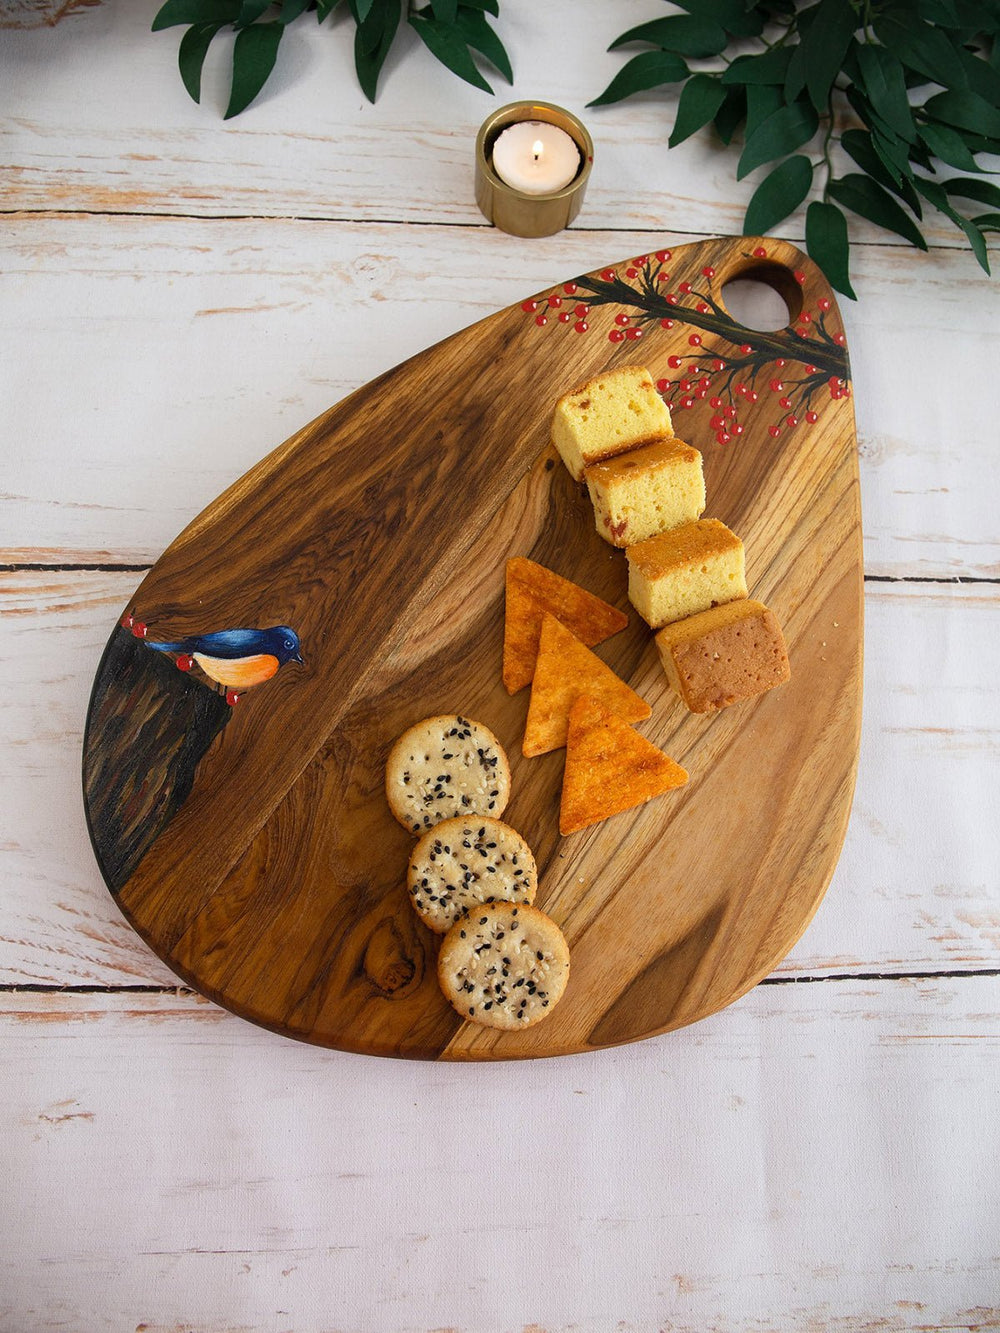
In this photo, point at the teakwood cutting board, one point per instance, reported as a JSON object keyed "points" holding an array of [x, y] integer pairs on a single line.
{"points": [[251, 845]]}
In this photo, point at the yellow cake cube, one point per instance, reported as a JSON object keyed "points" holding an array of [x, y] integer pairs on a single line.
{"points": [[720, 656], [608, 415], [648, 490], [688, 570]]}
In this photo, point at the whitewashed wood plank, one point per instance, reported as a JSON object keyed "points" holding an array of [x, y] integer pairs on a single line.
{"points": [[916, 888], [818, 1157], [311, 146], [147, 363]]}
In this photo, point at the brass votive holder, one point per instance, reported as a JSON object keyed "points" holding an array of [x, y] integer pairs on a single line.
{"points": [[513, 210]]}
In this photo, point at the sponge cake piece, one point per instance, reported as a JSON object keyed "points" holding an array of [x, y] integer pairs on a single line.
{"points": [[688, 570], [646, 491], [608, 415], [720, 656]]}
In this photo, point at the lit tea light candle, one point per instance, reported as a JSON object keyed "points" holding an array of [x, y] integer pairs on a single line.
{"points": [[535, 157]]}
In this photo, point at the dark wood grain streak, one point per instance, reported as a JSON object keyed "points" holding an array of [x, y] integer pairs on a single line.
{"points": [[380, 533]]}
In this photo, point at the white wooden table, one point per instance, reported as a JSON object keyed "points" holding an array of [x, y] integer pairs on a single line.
{"points": [[178, 296]]}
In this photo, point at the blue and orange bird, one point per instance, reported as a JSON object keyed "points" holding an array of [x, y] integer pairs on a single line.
{"points": [[236, 658]]}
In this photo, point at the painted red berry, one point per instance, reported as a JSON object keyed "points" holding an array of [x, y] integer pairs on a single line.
{"points": [[555, 302], [752, 396], [674, 362], [702, 308], [717, 422], [812, 418], [695, 340], [670, 298], [631, 272], [824, 303], [776, 386], [805, 317], [708, 272], [723, 437], [581, 326], [565, 316], [785, 401], [621, 320], [810, 370], [232, 698], [800, 277], [608, 274], [570, 288], [729, 411], [687, 402], [633, 334], [185, 662], [718, 365], [760, 252], [582, 310], [663, 256], [746, 349], [139, 629], [529, 307], [792, 420], [737, 427], [662, 386], [774, 431], [715, 402], [128, 620], [640, 260], [702, 394], [663, 276], [685, 386], [541, 320], [616, 336], [840, 339], [666, 323], [739, 389], [685, 287], [781, 363]]}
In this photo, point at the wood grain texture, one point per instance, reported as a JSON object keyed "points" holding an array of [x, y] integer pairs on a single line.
{"points": [[264, 891], [817, 1159], [114, 465]]}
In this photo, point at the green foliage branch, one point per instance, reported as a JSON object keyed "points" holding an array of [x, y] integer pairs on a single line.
{"points": [[456, 32], [902, 87]]}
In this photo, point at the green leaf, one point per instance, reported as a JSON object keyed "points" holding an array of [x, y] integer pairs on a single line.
{"points": [[489, 6], [822, 51], [983, 192], [445, 10], [885, 88], [967, 110], [473, 26], [730, 115], [894, 154], [701, 97], [254, 53], [361, 8], [828, 245], [195, 11], [923, 48], [191, 56], [936, 196], [648, 70], [781, 133], [981, 76], [739, 19], [291, 10], [857, 144], [682, 33], [250, 12], [863, 196], [988, 221], [778, 194], [447, 45], [948, 145], [372, 41], [771, 67], [324, 8]]}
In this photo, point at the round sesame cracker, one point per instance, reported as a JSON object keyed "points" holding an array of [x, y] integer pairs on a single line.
{"points": [[504, 965], [446, 766], [461, 863]]}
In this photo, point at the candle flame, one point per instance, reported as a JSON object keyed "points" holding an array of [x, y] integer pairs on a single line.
{"points": [[537, 148]]}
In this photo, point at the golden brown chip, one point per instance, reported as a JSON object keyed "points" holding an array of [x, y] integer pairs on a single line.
{"points": [[609, 768], [564, 670], [531, 591]]}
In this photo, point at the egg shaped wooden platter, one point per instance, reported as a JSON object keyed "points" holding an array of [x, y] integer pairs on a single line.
{"points": [[250, 844]]}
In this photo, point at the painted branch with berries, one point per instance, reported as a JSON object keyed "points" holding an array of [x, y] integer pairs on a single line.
{"points": [[723, 367]]}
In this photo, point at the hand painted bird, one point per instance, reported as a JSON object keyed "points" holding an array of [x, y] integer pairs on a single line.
{"points": [[236, 658]]}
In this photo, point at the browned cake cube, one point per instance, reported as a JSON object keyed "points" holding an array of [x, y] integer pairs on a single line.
{"points": [[648, 490], [720, 656], [687, 570]]}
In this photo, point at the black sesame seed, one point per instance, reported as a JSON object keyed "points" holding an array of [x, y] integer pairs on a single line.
{"points": [[483, 920], [472, 1008], [488, 1004], [539, 955]]}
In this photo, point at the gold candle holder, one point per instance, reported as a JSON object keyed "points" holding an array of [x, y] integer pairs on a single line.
{"points": [[513, 210]]}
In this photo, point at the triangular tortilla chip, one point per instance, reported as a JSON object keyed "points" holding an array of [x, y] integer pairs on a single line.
{"points": [[565, 669], [609, 768], [531, 591]]}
